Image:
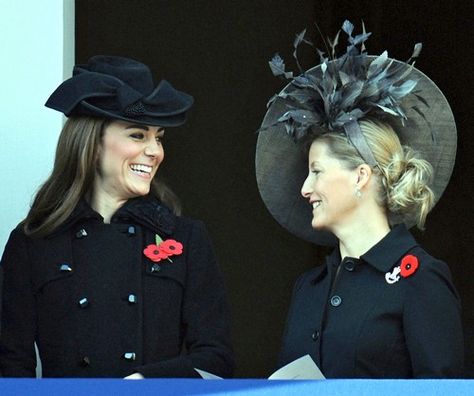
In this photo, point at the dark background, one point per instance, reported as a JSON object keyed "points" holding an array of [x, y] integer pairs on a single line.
{"points": [[218, 51]]}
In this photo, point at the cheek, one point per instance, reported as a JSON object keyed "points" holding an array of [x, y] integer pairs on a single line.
{"points": [[113, 156], [338, 190], [162, 154], [345, 196], [123, 152], [128, 151]]}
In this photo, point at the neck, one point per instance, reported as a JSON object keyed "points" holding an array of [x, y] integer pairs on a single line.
{"points": [[105, 204], [357, 238]]}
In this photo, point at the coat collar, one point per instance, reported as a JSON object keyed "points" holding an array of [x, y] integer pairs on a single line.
{"points": [[387, 252], [147, 211], [382, 256]]}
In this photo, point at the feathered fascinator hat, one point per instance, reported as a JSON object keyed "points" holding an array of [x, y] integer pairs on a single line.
{"points": [[333, 96], [120, 88]]}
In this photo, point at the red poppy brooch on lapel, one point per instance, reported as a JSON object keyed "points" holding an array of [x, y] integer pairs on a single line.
{"points": [[407, 268], [161, 250]]}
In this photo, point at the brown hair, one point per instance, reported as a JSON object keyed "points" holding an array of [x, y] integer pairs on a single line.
{"points": [[403, 176], [73, 175]]}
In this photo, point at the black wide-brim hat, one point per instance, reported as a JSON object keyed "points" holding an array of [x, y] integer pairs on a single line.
{"points": [[282, 165], [120, 88]]}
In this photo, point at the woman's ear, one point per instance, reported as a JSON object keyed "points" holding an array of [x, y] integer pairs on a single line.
{"points": [[98, 154], [364, 174]]}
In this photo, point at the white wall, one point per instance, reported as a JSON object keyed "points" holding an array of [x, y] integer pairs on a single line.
{"points": [[37, 53]]}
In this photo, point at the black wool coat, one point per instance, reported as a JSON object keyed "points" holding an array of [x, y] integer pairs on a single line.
{"points": [[98, 307], [356, 324]]}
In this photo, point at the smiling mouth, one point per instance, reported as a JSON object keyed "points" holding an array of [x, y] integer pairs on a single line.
{"points": [[316, 204], [141, 170]]}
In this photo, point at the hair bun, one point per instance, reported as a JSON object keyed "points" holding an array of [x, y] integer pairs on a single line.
{"points": [[407, 181]]}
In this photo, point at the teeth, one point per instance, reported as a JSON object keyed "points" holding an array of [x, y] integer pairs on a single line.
{"points": [[141, 168], [316, 204]]}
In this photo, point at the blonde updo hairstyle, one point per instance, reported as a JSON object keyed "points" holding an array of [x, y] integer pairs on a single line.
{"points": [[402, 175]]}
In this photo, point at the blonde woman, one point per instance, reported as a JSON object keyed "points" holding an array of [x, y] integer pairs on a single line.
{"points": [[380, 306]]}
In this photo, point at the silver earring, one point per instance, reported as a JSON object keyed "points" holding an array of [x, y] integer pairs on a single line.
{"points": [[358, 193]]}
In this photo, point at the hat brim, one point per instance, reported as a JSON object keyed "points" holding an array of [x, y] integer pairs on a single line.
{"points": [[281, 164], [175, 120]]}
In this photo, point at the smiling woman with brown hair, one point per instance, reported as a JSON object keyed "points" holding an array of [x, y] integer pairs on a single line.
{"points": [[104, 275]]}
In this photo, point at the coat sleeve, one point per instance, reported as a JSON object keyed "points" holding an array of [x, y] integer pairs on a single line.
{"points": [[432, 322], [205, 317], [18, 317]]}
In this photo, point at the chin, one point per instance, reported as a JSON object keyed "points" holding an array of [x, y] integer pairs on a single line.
{"points": [[139, 192], [143, 193], [318, 226]]}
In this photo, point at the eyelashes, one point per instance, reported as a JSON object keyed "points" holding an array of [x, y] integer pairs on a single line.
{"points": [[141, 136]]}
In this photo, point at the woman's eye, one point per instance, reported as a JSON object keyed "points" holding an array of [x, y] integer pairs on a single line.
{"points": [[137, 135]]}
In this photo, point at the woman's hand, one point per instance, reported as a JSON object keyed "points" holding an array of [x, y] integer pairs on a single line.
{"points": [[135, 376]]}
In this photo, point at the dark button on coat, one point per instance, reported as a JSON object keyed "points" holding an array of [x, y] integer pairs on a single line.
{"points": [[177, 320], [407, 329]]}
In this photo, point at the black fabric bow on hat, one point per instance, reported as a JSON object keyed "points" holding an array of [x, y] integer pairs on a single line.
{"points": [[120, 88]]}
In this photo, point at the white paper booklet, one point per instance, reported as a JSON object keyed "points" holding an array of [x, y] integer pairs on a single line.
{"points": [[303, 368], [206, 375]]}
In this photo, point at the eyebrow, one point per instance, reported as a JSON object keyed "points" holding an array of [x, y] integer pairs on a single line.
{"points": [[137, 126], [144, 128], [313, 164]]}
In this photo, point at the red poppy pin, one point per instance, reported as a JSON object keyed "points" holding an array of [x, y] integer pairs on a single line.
{"points": [[407, 268], [161, 250]]}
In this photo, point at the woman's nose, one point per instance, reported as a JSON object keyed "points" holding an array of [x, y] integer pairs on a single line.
{"points": [[153, 148], [306, 189]]}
